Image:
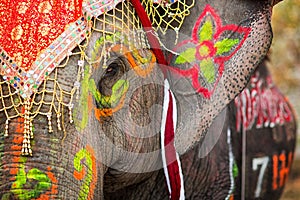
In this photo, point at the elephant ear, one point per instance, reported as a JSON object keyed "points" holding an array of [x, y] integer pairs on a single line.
{"points": [[215, 55]]}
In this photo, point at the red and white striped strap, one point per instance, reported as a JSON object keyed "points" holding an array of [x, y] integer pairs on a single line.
{"points": [[171, 161], [170, 158]]}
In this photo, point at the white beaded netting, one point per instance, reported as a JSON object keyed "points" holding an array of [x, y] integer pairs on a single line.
{"points": [[167, 15]]}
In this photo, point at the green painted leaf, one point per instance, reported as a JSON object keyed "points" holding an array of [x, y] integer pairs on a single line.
{"points": [[225, 45], [208, 70], [186, 56], [118, 90], [85, 155], [42, 184], [235, 170], [93, 89], [83, 108], [206, 31]]}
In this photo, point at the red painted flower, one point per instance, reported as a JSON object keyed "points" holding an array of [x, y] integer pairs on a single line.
{"points": [[210, 46]]}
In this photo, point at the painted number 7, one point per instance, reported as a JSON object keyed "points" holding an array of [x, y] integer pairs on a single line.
{"points": [[263, 161]]}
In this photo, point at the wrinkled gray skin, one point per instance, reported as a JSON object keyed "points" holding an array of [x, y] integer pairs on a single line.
{"points": [[128, 160]]}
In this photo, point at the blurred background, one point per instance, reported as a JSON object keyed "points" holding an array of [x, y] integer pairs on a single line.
{"points": [[285, 68]]}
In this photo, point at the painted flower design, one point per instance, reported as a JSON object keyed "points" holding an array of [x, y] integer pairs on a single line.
{"points": [[210, 46]]}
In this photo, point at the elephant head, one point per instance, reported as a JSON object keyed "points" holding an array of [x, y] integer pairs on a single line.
{"points": [[83, 85]]}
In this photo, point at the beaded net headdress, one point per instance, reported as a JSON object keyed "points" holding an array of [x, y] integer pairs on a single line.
{"points": [[38, 38]]}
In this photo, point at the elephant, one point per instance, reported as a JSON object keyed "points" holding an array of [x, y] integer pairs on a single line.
{"points": [[141, 100]]}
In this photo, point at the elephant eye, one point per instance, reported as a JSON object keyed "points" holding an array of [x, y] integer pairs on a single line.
{"points": [[112, 69], [115, 71]]}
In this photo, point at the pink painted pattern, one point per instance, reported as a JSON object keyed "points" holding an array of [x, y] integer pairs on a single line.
{"points": [[261, 106], [210, 46]]}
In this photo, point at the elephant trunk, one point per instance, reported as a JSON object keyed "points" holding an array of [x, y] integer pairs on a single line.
{"points": [[58, 169]]}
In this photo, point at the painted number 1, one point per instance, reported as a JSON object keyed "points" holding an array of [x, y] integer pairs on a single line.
{"points": [[263, 161]]}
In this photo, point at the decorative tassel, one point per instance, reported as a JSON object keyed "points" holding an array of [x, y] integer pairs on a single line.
{"points": [[6, 128], [50, 129], [28, 134], [58, 121], [70, 107]]}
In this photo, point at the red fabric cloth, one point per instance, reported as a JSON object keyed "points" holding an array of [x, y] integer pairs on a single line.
{"points": [[28, 27]]}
